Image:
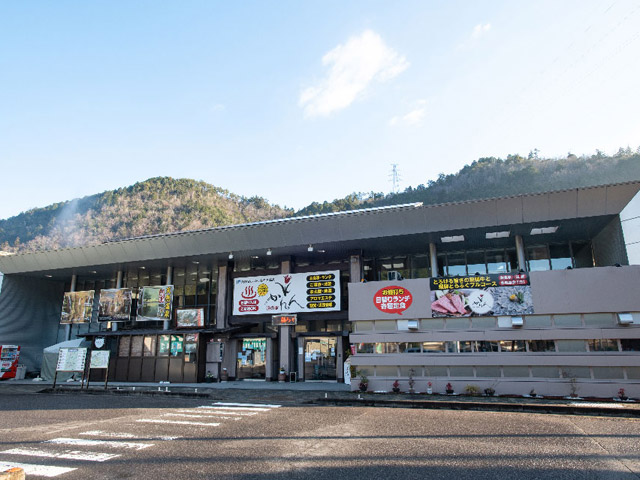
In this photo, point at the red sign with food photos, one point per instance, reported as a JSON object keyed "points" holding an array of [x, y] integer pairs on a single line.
{"points": [[393, 299]]}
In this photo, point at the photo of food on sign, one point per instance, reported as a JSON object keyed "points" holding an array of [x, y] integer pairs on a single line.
{"points": [[481, 295]]}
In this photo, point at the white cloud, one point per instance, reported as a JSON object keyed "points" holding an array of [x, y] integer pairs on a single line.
{"points": [[414, 117], [352, 68], [480, 29]]}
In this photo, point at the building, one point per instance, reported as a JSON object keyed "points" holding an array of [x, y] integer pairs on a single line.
{"points": [[513, 293]]}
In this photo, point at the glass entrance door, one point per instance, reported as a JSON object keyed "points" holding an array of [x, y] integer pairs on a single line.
{"points": [[320, 358], [252, 355]]}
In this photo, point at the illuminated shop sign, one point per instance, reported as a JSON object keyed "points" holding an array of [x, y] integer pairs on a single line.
{"points": [[289, 293]]}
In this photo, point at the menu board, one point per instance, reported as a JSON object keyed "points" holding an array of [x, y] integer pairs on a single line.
{"points": [[177, 345], [290, 293], [71, 359], [190, 317], [99, 359], [155, 303], [77, 307]]}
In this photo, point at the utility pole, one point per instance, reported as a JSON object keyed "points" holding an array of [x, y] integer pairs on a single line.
{"points": [[395, 178]]}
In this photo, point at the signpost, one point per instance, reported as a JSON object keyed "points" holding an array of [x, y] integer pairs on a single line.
{"points": [[71, 360], [99, 360]]}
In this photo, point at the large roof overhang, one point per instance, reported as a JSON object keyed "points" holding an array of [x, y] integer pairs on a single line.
{"points": [[581, 210]]}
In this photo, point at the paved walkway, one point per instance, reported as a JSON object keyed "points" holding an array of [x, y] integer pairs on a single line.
{"points": [[331, 393]]}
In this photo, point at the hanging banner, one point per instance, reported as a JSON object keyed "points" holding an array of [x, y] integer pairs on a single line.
{"points": [[290, 293], [115, 305], [481, 295], [77, 307], [155, 303]]}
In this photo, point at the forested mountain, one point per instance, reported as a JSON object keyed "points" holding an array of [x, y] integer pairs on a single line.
{"points": [[156, 205], [494, 177], [161, 205]]}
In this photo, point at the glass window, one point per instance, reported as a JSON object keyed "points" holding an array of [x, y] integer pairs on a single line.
{"points": [[433, 347], [432, 324], [567, 320], [575, 372], [409, 347], [456, 323], [420, 266], [538, 258], [633, 373], [487, 346], [386, 371], [487, 371], [603, 345], [630, 344], [512, 345], [497, 261], [456, 264], [442, 264], [465, 346], [515, 371], [542, 346], [436, 371], [405, 371], [149, 346], [538, 320], [560, 256], [362, 326], [364, 348], [607, 372], [483, 322], [571, 345], [385, 325], [598, 319], [582, 255], [476, 262], [461, 371]]}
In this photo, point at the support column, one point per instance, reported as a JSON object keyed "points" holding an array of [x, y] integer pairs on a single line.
{"points": [[221, 297], [355, 269], [433, 259], [268, 368], [522, 264], [285, 332], [340, 359], [67, 328], [165, 324], [114, 325]]}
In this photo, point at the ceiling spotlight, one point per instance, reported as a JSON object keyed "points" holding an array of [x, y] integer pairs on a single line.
{"points": [[195, 262], [268, 251], [310, 248], [48, 276], [230, 255]]}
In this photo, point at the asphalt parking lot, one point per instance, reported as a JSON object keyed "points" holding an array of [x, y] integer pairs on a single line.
{"points": [[237, 436]]}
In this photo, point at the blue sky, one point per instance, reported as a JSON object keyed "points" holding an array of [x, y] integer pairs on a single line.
{"points": [[303, 101]]}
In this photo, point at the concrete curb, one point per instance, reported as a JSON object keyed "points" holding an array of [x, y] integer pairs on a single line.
{"points": [[484, 406]]}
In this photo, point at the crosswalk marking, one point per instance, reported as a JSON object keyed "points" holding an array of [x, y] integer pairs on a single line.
{"points": [[247, 405], [131, 436], [98, 443], [66, 454], [38, 470], [177, 422]]}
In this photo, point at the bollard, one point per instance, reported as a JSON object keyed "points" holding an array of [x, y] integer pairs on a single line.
{"points": [[12, 474]]}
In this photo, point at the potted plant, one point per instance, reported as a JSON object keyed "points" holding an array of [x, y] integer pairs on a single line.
{"points": [[396, 387], [364, 381], [208, 378], [622, 395], [472, 390], [489, 392], [282, 375], [412, 381], [429, 389], [449, 389], [533, 393], [224, 375]]}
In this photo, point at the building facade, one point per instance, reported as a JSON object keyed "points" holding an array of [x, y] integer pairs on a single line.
{"points": [[521, 293]]}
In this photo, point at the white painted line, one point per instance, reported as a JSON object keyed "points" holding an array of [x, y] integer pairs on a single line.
{"points": [[66, 454], [230, 410], [177, 422], [186, 415], [247, 405], [37, 470], [131, 436], [85, 442], [250, 409], [226, 412], [601, 405], [203, 414]]}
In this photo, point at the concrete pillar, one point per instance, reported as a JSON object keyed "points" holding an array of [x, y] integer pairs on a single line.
{"points": [[300, 359], [114, 325], [285, 332], [340, 359], [355, 269], [67, 328], [268, 368], [433, 259], [221, 297], [165, 324], [522, 264]]}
